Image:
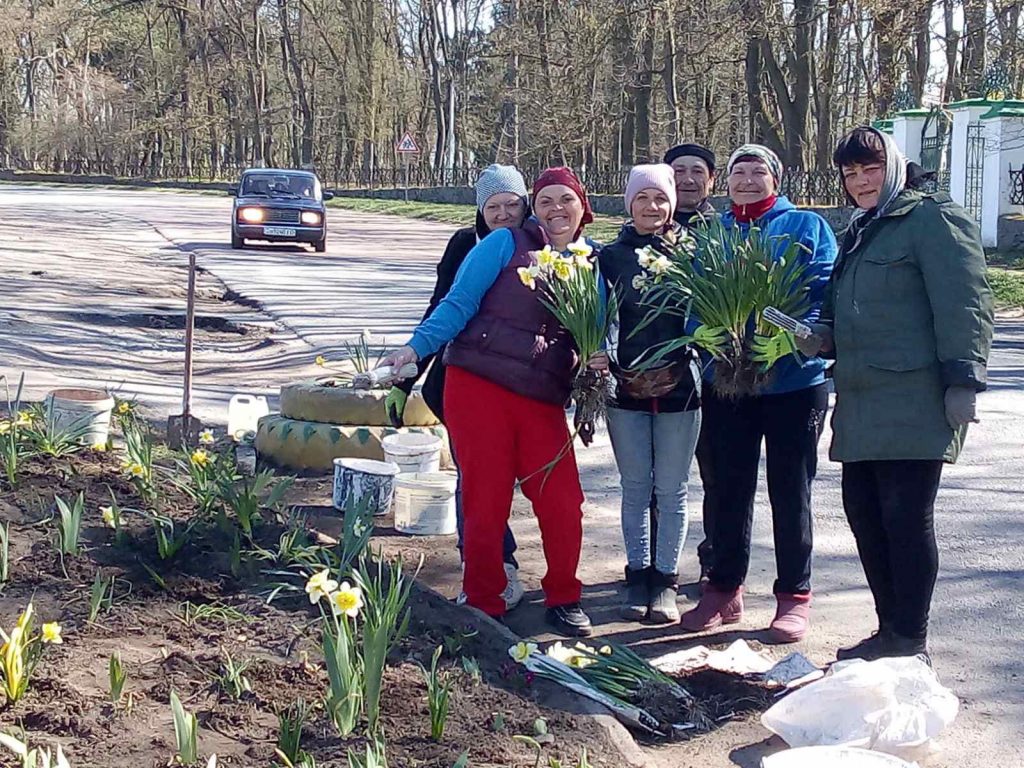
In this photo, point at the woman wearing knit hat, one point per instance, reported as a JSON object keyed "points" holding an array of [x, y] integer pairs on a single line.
{"points": [[788, 416], [511, 366], [654, 418], [501, 203]]}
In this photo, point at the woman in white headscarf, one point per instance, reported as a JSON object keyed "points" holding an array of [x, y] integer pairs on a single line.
{"points": [[908, 318]]}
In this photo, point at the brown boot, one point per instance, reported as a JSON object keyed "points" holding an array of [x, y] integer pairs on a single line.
{"points": [[792, 618], [716, 607]]}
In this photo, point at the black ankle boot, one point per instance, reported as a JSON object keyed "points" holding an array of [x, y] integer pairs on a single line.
{"points": [[664, 590], [637, 594]]}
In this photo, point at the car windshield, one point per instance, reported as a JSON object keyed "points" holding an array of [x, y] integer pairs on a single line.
{"points": [[281, 185]]}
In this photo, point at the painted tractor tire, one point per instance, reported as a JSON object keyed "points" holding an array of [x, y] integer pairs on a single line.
{"points": [[313, 401], [311, 446]]}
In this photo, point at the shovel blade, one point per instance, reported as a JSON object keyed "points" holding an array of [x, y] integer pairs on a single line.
{"points": [[183, 432]]}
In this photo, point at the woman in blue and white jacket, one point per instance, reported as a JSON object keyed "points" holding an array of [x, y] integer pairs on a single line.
{"points": [[788, 416]]}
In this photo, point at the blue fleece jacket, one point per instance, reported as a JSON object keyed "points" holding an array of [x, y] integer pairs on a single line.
{"points": [[475, 277], [812, 231]]}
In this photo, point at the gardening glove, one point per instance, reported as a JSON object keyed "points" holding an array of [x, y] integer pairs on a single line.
{"points": [[394, 404], [397, 358], [960, 407], [710, 338], [768, 350], [819, 341]]}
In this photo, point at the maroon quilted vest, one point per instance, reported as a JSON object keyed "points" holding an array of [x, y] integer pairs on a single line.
{"points": [[514, 340]]}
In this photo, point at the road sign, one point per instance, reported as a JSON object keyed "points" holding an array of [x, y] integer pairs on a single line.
{"points": [[407, 145]]}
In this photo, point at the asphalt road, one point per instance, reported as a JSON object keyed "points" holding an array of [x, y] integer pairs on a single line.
{"points": [[74, 263]]}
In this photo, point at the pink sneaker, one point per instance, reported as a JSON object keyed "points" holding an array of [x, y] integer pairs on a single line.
{"points": [[716, 607], [792, 618]]}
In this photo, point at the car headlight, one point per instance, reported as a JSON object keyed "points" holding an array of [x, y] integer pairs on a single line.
{"points": [[252, 215], [310, 217]]}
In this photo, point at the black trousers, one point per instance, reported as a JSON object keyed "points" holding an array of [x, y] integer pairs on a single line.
{"points": [[790, 425], [891, 509], [705, 464]]}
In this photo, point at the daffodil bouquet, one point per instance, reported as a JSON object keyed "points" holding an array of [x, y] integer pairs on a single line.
{"points": [[727, 278], [571, 290]]}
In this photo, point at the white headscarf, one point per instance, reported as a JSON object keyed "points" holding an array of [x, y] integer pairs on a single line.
{"points": [[895, 178]]}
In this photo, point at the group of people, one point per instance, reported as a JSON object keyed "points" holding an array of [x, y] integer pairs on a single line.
{"points": [[901, 315]]}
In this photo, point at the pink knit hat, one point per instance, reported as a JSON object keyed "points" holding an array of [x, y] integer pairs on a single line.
{"points": [[654, 176]]}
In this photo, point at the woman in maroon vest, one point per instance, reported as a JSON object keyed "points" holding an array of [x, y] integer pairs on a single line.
{"points": [[510, 371]]}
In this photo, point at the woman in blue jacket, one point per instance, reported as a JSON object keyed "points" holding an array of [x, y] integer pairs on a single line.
{"points": [[788, 416]]}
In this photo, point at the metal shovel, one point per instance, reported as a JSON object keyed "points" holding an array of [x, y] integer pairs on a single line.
{"points": [[183, 429]]}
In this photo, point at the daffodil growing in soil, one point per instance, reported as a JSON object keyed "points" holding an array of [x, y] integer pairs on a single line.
{"points": [[13, 446], [340, 606], [21, 652], [719, 282]]}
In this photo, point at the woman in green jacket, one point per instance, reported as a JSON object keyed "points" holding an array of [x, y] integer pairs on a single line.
{"points": [[908, 317]]}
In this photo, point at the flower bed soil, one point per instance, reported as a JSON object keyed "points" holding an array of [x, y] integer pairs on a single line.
{"points": [[163, 649]]}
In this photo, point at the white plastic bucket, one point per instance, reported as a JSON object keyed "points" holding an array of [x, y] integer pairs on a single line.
{"points": [[364, 480], [425, 503], [244, 412], [85, 412], [832, 757], [413, 452]]}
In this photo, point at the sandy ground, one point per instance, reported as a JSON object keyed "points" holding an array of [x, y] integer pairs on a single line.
{"points": [[94, 279]]}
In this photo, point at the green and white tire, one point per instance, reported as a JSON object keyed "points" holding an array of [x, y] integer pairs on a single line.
{"points": [[312, 401], [312, 446]]}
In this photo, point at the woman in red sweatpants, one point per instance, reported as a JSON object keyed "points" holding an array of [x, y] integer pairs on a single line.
{"points": [[511, 366]]}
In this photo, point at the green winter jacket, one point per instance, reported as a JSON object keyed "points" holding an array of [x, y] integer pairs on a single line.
{"points": [[911, 310]]}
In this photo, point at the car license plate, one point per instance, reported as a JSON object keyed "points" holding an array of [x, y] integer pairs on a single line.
{"points": [[279, 231]]}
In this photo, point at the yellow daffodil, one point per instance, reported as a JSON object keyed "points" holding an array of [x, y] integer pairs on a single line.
{"points": [[124, 407], [660, 265], [206, 437], [561, 653], [200, 457], [521, 651], [108, 517], [321, 360], [358, 528], [99, 447], [347, 600], [320, 585], [5, 427], [51, 633], [583, 262], [527, 278], [544, 258], [580, 249], [644, 256], [24, 419], [136, 470], [563, 269]]}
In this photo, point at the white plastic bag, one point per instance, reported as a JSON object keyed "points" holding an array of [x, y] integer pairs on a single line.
{"points": [[890, 705]]}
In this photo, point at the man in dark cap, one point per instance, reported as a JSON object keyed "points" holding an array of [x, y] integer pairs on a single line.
{"points": [[694, 168]]}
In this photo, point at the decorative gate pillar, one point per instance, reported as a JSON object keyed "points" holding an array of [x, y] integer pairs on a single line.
{"points": [[907, 127], [965, 113], [1004, 147]]}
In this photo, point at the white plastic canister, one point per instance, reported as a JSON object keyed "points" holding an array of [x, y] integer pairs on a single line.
{"points": [[85, 412], [414, 452], [244, 412], [425, 503]]}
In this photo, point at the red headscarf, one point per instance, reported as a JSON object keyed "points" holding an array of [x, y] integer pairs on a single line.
{"points": [[565, 176]]}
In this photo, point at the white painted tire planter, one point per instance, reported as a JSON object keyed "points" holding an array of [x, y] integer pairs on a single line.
{"points": [[313, 401], [87, 410]]}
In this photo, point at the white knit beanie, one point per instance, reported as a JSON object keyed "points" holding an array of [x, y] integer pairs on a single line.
{"points": [[495, 179], [654, 176]]}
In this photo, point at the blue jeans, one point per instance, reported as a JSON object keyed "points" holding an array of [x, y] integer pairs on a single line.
{"points": [[654, 452], [508, 547]]}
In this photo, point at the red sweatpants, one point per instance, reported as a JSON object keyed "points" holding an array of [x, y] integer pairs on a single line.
{"points": [[501, 437]]}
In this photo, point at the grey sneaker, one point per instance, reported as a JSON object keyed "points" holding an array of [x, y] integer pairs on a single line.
{"points": [[513, 593]]}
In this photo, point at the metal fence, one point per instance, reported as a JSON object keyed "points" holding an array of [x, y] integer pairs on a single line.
{"points": [[1017, 186], [805, 187]]}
